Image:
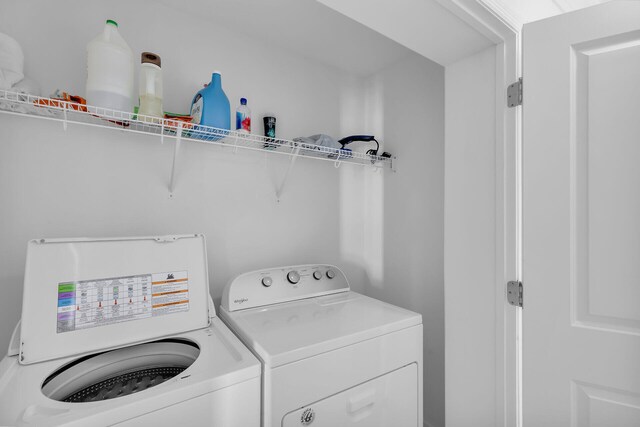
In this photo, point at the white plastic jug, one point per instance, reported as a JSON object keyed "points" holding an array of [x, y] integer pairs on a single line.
{"points": [[110, 70]]}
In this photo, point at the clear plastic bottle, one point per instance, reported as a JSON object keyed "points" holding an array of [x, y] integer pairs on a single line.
{"points": [[150, 85], [110, 70], [243, 117]]}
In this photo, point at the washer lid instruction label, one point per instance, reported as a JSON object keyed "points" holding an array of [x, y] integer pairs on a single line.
{"points": [[90, 303]]}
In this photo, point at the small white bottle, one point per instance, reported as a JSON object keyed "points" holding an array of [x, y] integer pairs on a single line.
{"points": [[243, 117], [150, 87]]}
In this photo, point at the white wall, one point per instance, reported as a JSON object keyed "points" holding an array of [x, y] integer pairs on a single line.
{"points": [[92, 182], [385, 230], [470, 241], [414, 212], [399, 234]]}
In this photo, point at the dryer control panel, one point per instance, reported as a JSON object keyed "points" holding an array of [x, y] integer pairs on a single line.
{"points": [[282, 284]]}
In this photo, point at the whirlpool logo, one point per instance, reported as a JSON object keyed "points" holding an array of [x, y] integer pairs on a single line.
{"points": [[307, 417], [240, 300]]}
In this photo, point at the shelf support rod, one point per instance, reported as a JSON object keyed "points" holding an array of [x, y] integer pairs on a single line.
{"points": [[175, 159], [294, 155], [64, 112]]}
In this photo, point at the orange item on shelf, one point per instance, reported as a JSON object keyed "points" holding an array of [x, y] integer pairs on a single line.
{"points": [[172, 119], [73, 102]]}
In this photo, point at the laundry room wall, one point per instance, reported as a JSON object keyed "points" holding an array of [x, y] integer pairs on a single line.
{"points": [[399, 233], [384, 229], [411, 271], [102, 182], [471, 254]]}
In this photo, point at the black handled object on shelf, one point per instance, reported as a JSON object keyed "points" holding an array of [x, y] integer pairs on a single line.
{"points": [[353, 138], [364, 138]]}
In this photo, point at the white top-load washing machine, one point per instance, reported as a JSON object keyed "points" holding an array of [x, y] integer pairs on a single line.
{"points": [[331, 357], [123, 331]]}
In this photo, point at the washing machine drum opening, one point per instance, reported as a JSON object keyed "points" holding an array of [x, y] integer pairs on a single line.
{"points": [[120, 372]]}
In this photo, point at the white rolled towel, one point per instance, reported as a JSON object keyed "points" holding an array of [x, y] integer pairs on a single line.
{"points": [[11, 62]]}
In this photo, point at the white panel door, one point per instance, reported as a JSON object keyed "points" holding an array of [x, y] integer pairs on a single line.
{"points": [[581, 218]]}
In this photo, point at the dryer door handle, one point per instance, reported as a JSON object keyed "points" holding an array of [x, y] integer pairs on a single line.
{"points": [[362, 400]]}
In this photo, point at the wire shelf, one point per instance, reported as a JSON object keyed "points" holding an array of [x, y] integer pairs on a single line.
{"points": [[70, 112]]}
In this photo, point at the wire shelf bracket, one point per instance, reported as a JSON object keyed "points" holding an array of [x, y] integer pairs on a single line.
{"points": [[64, 120], [295, 152], [174, 164]]}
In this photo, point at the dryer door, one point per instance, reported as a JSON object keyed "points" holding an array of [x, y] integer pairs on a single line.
{"points": [[389, 400]]}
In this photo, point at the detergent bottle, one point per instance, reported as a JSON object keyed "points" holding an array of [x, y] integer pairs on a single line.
{"points": [[210, 106]]}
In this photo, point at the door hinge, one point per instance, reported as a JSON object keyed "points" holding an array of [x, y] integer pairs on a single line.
{"points": [[514, 293], [514, 94]]}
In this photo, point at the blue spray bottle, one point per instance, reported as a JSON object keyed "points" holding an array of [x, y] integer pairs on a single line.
{"points": [[210, 107]]}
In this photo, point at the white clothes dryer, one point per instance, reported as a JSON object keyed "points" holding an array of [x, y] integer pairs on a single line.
{"points": [[331, 357], [123, 332]]}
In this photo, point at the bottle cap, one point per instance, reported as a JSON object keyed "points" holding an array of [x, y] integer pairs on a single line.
{"points": [[243, 101], [150, 58], [112, 22]]}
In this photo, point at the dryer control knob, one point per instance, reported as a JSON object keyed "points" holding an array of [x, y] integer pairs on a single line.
{"points": [[331, 274], [317, 275], [293, 277], [267, 281]]}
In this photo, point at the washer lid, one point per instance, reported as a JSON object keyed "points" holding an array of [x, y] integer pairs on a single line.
{"points": [[87, 295], [284, 333]]}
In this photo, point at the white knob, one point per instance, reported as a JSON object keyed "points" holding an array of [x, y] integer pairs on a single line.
{"points": [[331, 274], [266, 281], [293, 277], [317, 275]]}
